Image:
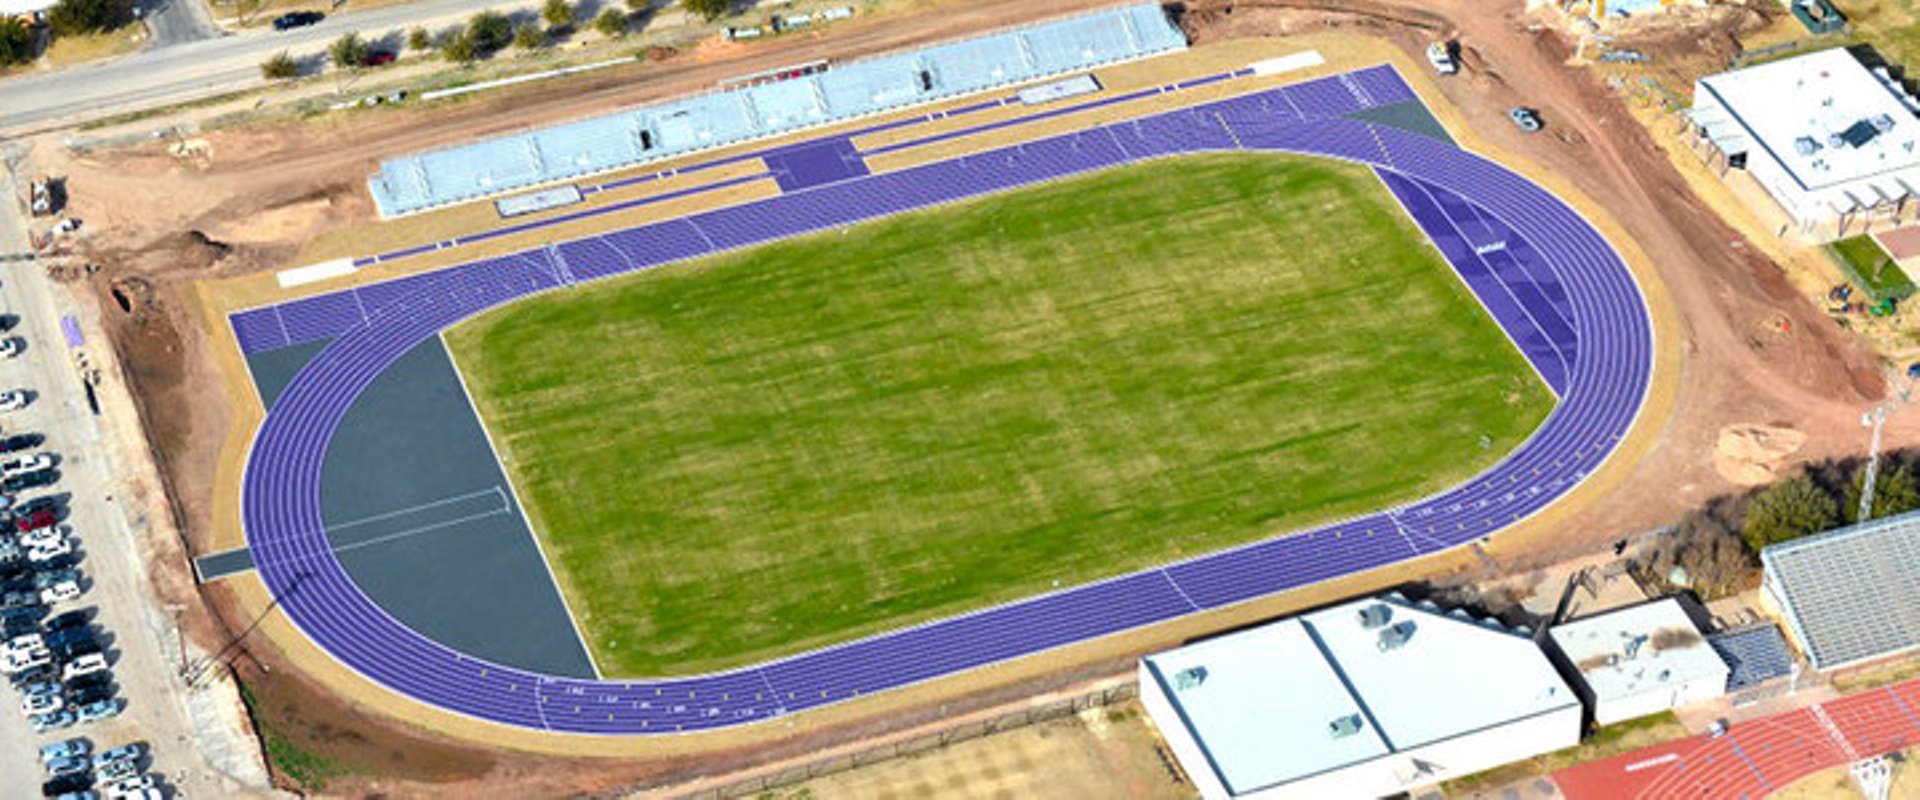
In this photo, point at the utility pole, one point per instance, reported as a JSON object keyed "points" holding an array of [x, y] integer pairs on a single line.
{"points": [[1875, 419]]}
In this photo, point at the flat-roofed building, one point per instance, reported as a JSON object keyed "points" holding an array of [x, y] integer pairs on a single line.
{"points": [[1834, 142], [1368, 698], [1640, 660], [1847, 596]]}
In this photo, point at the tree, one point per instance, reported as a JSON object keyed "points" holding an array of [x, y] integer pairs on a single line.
{"points": [[611, 24], [17, 42], [529, 37], [710, 9], [557, 13], [89, 16], [280, 67], [348, 52], [460, 49], [489, 31], [417, 39], [1895, 491], [1788, 510], [639, 6]]}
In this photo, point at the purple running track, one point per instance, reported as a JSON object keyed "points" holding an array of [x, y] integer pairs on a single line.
{"points": [[1543, 273]]}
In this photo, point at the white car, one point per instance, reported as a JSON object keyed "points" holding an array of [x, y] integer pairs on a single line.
{"points": [[1440, 55], [13, 663], [34, 704], [46, 537], [12, 346], [129, 787], [25, 464], [25, 641], [60, 592], [84, 665], [13, 400], [149, 793], [50, 551]]}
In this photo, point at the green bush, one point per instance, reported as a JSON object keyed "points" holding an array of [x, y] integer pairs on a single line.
{"points": [[460, 49], [710, 9], [1789, 510], [557, 13], [280, 67], [489, 31], [417, 39], [17, 41], [611, 24], [529, 37], [89, 16], [348, 51], [1894, 492]]}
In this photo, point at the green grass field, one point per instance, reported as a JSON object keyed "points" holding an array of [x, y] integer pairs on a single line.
{"points": [[765, 452]]}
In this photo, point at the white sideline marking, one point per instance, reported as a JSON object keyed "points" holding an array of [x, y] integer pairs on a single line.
{"points": [[1287, 63], [314, 273]]}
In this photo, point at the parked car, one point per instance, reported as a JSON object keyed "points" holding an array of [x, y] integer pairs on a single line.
{"points": [[84, 665], [13, 400], [88, 695], [66, 748], [378, 58], [12, 346], [34, 520], [37, 704], [65, 591], [94, 712], [297, 19], [79, 617], [68, 765], [45, 537], [118, 770], [89, 794], [132, 751], [1527, 118], [20, 441], [48, 723], [72, 650], [29, 480], [36, 505], [42, 580], [39, 686], [34, 462], [78, 682], [1440, 55], [43, 553], [66, 784]]}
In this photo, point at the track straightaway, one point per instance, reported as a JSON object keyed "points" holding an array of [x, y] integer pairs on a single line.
{"points": [[1568, 296]]}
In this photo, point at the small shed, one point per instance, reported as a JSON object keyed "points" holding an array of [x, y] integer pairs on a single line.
{"points": [[1640, 660]]}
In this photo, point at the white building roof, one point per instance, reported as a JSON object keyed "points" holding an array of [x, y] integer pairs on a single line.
{"points": [[1649, 647], [1848, 595], [1825, 117], [1260, 702]]}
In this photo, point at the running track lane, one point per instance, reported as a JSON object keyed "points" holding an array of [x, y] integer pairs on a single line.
{"points": [[1604, 388], [1758, 757]]}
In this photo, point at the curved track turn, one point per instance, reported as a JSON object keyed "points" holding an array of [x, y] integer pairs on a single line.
{"points": [[1595, 351]]}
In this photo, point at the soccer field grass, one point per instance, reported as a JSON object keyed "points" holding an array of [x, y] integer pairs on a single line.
{"points": [[768, 451]]}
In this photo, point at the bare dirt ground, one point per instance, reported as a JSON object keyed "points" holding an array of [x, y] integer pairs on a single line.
{"points": [[1766, 381]]}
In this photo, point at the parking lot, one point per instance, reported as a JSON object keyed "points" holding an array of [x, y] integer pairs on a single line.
{"points": [[185, 732]]}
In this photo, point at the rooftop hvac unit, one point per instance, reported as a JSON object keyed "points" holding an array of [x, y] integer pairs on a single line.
{"points": [[1396, 635], [1343, 727], [1375, 615], [1881, 122], [1189, 678], [1806, 146]]}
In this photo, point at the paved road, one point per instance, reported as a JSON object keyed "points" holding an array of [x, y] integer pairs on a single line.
{"points": [[177, 22], [202, 68]]}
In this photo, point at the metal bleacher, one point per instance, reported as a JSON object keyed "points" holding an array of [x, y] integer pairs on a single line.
{"points": [[1754, 654], [420, 181]]}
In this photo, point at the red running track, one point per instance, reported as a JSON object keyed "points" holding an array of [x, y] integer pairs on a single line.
{"points": [[1758, 757]]}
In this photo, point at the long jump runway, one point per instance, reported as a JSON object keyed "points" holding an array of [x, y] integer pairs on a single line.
{"points": [[1545, 275]]}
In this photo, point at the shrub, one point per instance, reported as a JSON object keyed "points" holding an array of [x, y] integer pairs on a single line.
{"points": [[348, 51], [710, 9], [557, 13], [417, 39], [280, 67], [17, 41], [1789, 510], [611, 24], [529, 37], [489, 31], [460, 49], [1894, 492], [89, 16]]}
